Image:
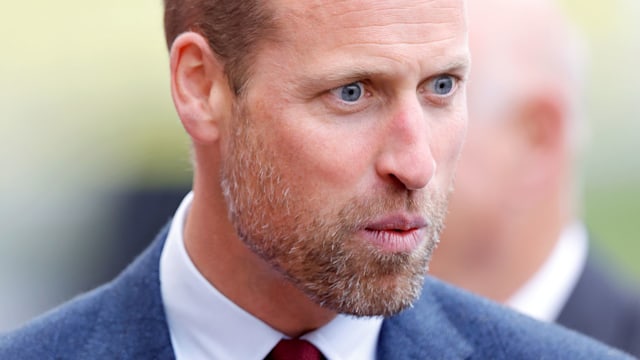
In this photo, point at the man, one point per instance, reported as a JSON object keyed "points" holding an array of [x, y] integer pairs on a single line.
{"points": [[513, 233], [325, 135]]}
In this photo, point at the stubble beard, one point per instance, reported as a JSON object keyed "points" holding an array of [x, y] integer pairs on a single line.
{"points": [[317, 249]]}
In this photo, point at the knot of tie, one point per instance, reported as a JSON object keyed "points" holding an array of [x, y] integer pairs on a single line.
{"points": [[295, 349]]}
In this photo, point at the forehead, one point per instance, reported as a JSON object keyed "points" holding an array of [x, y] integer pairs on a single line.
{"points": [[407, 31], [371, 12]]}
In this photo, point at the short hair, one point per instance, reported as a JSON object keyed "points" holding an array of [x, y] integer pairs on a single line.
{"points": [[233, 29]]}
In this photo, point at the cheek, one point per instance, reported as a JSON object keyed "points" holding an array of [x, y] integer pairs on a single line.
{"points": [[446, 144], [321, 159], [328, 160], [336, 150]]}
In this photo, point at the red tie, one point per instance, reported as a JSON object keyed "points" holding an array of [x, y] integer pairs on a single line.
{"points": [[294, 349]]}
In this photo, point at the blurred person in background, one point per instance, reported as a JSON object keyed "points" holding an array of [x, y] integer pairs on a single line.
{"points": [[514, 233], [324, 152]]}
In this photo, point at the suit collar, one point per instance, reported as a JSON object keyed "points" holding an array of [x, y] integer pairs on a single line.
{"points": [[546, 291], [133, 311], [422, 331]]}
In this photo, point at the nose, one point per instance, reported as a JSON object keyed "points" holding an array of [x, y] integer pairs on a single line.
{"points": [[406, 157]]}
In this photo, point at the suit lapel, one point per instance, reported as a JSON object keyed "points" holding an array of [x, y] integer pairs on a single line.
{"points": [[132, 314], [422, 332], [611, 324]]}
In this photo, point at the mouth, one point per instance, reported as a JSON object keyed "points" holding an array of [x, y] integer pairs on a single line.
{"points": [[399, 233]]}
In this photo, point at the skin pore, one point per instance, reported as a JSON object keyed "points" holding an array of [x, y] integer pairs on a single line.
{"points": [[322, 187]]}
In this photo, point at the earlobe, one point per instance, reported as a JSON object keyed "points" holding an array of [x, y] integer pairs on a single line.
{"points": [[199, 88], [544, 124], [543, 130]]}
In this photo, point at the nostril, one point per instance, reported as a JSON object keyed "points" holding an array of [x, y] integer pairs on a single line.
{"points": [[406, 168], [397, 181]]}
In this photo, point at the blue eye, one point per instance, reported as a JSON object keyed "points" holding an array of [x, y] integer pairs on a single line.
{"points": [[350, 93], [443, 85]]}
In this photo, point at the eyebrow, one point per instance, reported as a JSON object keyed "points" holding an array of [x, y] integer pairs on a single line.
{"points": [[346, 74], [340, 75], [462, 64]]}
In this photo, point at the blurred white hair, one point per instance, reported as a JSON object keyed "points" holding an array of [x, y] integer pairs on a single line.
{"points": [[520, 47]]}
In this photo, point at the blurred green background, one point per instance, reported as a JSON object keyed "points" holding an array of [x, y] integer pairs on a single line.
{"points": [[611, 167], [85, 111]]}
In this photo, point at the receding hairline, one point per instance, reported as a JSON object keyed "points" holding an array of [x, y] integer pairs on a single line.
{"points": [[234, 30]]}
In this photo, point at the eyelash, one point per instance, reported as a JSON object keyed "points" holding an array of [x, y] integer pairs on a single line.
{"points": [[359, 105], [438, 100]]}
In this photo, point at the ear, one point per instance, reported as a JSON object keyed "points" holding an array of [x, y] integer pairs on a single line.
{"points": [[199, 88], [542, 123]]}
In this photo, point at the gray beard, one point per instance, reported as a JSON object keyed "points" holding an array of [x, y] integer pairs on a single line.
{"points": [[319, 253]]}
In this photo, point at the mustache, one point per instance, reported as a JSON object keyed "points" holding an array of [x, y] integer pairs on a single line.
{"points": [[360, 211]]}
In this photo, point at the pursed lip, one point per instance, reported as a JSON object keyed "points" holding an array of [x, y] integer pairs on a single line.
{"points": [[396, 232]]}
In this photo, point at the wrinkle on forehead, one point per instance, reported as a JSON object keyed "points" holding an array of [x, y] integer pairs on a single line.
{"points": [[422, 19], [399, 39], [384, 10]]}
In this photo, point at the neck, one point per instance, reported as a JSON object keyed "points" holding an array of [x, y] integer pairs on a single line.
{"points": [[241, 275]]}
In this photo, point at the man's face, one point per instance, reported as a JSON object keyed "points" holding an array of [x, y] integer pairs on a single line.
{"points": [[342, 150]]}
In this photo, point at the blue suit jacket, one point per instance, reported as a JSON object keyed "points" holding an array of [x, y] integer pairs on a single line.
{"points": [[613, 310], [125, 319]]}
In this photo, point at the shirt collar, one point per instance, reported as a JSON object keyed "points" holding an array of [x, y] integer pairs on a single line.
{"points": [[204, 324], [545, 294]]}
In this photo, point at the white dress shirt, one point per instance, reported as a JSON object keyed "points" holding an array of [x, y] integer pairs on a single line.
{"points": [[204, 324], [546, 293]]}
